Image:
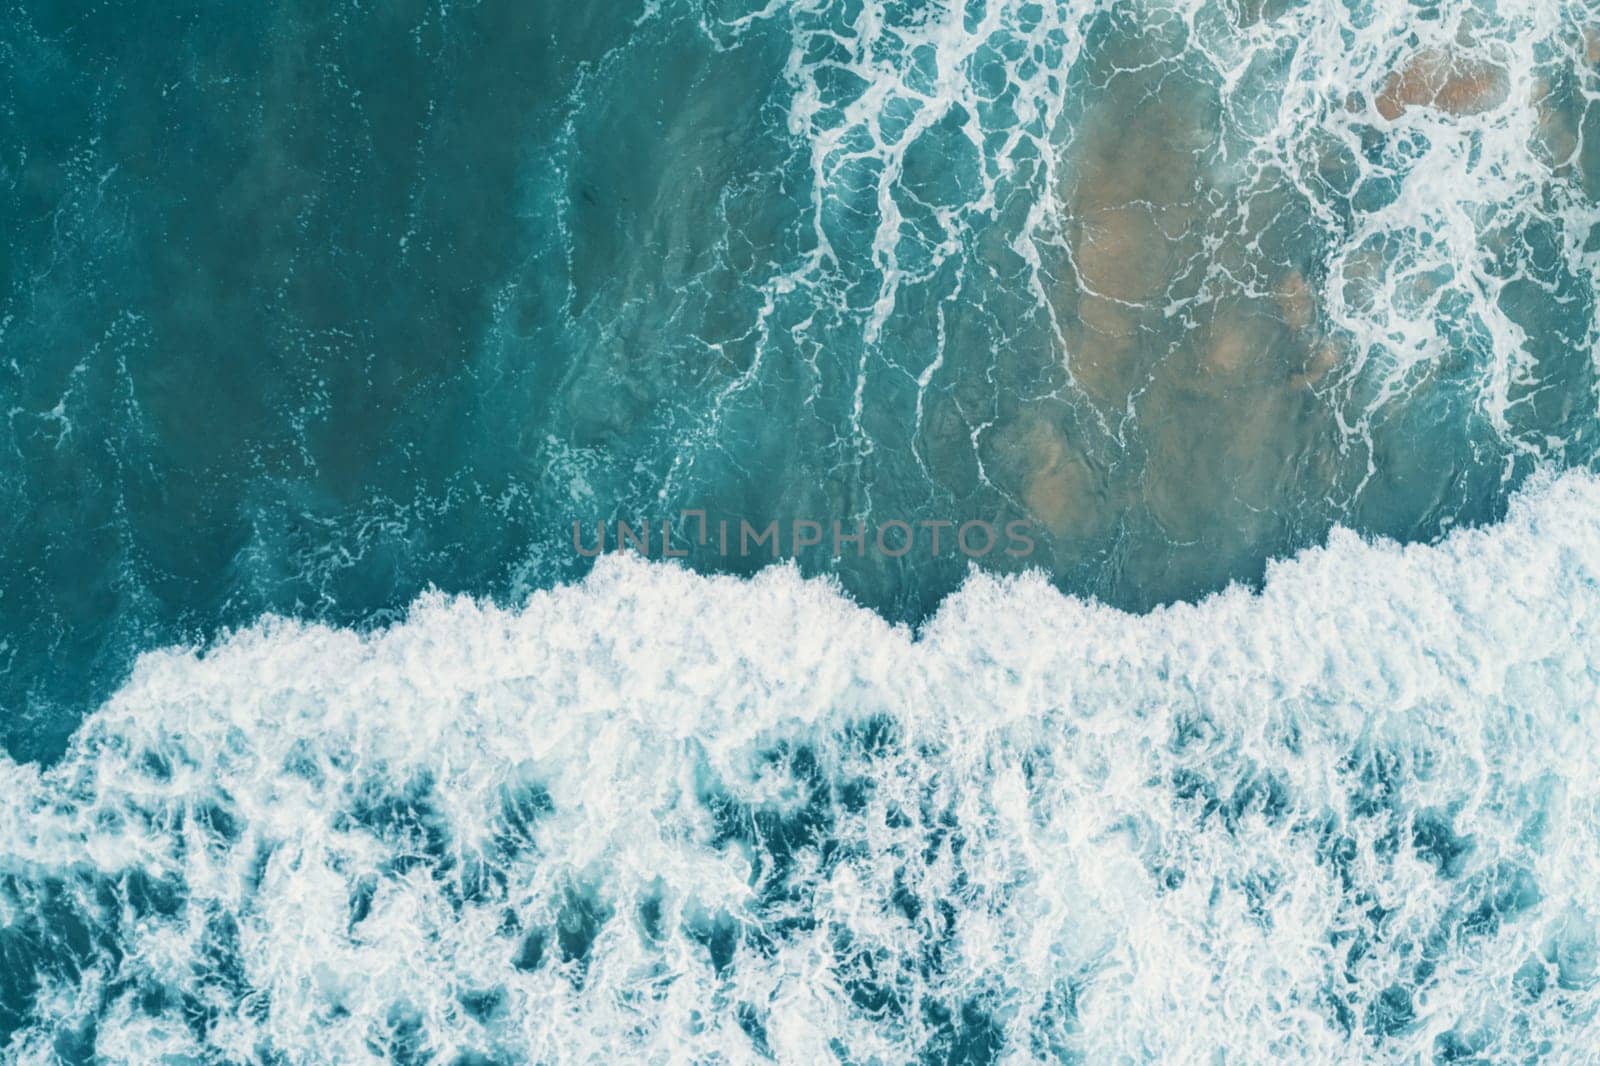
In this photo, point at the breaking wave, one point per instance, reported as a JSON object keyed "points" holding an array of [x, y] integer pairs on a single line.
{"points": [[658, 815]]}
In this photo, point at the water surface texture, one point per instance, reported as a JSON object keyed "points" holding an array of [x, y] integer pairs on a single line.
{"points": [[310, 310]]}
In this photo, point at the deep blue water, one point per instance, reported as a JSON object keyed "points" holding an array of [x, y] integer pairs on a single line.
{"points": [[309, 310]]}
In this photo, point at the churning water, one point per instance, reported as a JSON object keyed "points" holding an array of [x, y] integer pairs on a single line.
{"points": [[1274, 322]]}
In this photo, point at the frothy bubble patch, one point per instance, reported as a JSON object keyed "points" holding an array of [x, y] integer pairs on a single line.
{"points": [[665, 814]]}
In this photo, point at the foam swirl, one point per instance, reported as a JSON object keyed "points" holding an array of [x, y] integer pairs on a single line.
{"points": [[660, 815]]}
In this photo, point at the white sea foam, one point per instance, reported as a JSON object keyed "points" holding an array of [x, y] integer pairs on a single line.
{"points": [[1423, 218], [668, 817]]}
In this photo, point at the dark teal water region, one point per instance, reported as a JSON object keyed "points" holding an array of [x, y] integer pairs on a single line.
{"points": [[305, 308]]}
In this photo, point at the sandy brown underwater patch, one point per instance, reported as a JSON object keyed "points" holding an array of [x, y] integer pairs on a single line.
{"points": [[1435, 78]]}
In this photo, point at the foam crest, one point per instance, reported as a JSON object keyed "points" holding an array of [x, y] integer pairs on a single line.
{"points": [[660, 815]]}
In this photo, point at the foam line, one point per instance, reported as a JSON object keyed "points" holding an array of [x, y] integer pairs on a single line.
{"points": [[661, 815]]}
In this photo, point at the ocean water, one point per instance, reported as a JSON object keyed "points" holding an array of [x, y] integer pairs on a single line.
{"points": [[1356, 816], [331, 335]]}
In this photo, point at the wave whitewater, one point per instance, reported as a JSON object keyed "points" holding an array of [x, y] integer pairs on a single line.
{"points": [[661, 816]]}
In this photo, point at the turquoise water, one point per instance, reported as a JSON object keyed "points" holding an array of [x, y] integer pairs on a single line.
{"points": [[311, 311]]}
